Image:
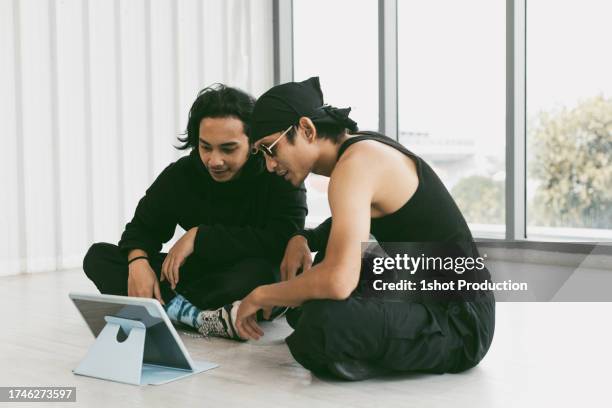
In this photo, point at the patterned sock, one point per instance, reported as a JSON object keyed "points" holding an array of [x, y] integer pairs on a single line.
{"points": [[181, 310], [219, 322]]}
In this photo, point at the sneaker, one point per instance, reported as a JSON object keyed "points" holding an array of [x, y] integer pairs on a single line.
{"points": [[219, 322]]}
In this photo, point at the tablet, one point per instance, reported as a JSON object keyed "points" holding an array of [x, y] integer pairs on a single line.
{"points": [[163, 348]]}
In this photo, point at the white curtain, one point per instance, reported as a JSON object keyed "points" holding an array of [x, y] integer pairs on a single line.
{"points": [[92, 96]]}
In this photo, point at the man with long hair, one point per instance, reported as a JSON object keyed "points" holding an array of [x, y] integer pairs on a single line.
{"points": [[237, 219]]}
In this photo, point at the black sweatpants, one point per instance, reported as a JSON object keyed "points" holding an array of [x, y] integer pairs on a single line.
{"points": [[207, 286], [433, 337]]}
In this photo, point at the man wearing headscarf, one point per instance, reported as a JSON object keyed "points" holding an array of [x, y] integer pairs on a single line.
{"points": [[376, 187]]}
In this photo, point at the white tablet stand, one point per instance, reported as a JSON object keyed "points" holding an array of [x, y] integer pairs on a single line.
{"points": [[113, 359]]}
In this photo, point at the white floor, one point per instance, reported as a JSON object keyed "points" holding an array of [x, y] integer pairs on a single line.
{"points": [[543, 354]]}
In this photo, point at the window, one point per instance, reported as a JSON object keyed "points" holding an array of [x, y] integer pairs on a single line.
{"points": [[569, 119], [451, 102], [451, 75]]}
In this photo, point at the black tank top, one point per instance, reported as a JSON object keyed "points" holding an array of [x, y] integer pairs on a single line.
{"points": [[430, 215]]}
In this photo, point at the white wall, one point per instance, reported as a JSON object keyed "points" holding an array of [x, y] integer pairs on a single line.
{"points": [[92, 96]]}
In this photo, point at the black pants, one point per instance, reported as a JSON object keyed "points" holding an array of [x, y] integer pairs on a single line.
{"points": [[434, 337], [207, 286]]}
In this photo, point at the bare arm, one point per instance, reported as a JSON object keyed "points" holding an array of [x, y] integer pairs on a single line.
{"points": [[350, 196]]}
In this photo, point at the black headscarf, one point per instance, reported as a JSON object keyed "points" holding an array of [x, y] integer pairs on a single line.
{"points": [[283, 106]]}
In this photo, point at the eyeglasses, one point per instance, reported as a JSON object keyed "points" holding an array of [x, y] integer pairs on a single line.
{"points": [[268, 149]]}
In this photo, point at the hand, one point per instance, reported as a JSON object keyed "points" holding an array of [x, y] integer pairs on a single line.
{"points": [[297, 256], [176, 257], [246, 317], [142, 281]]}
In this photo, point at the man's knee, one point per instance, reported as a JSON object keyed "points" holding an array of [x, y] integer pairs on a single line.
{"points": [[97, 255], [317, 330], [307, 342]]}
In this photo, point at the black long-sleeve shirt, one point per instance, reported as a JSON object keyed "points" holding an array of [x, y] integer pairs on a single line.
{"points": [[251, 216]]}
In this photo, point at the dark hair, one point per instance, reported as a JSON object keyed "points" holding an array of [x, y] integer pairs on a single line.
{"points": [[329, 131], [217, 101]]}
